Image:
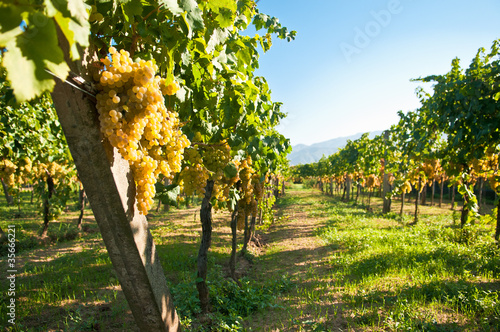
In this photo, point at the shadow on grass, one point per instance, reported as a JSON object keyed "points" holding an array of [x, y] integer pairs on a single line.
{"points": [[427, 263], [61, 293], [479, 302]]}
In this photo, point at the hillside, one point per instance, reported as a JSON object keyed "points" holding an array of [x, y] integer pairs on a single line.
{"points": [[305, 154]]}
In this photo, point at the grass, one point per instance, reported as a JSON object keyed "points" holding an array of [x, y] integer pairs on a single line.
{"points": [[322, 265], [395, 270], [66, 282], [370, 272]]}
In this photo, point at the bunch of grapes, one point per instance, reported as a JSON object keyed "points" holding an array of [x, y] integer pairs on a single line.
{"points": [[216, 157], [360, 177], [258, 187], [135, 120], [493, 161], [60, 173], [194, 175], [494, 182], [23, 172], [246, 174], [7, 172], [406, 187], [430, 168], [251, 189], [372, 181], [492, 166], [258, 193]]}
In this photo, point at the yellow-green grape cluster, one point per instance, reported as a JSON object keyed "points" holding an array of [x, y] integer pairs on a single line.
{"points": [[406, 187], [431, 169], [135, 120], [59, 173], [372, 181], [493, 161], [246, 173], [95, 15], [240, 221], [360, 178], [258, 190], [247, 203], [418, 176], [23, 172], [216, 158], [487, 165], [194, 175], [7, 172], [494, 183]]}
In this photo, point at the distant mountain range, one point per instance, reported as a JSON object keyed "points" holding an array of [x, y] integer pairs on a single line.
{"points": [[305, 154]]}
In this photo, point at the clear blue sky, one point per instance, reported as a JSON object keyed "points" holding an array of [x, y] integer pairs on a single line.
{"points": [[349, 68]]}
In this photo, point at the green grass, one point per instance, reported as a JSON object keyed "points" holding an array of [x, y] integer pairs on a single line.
{"points": [[66, 281], [364, 271], [396, 277], [356, 271]]}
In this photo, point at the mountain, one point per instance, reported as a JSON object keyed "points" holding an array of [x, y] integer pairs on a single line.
{"points": [[305, 154]]}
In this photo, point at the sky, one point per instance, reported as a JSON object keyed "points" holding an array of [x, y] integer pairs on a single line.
{"points": [[349, 68]]}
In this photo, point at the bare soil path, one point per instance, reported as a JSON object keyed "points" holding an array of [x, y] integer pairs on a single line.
{"points": [[293, 249]]}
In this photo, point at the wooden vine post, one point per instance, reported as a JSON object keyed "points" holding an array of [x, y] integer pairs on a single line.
{"points": [[110, 189], [386, 187]]}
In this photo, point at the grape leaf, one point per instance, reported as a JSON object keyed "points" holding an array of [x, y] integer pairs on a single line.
{"points": [[217, 5], [172, 6], [192, 14], [217, 38], [78, 11], [230, 171], [234, 197], [28, 55], [131, 8], [167, 194], [11, 19], [225, 18], [74, 33]]}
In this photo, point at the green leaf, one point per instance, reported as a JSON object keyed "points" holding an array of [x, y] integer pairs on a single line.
{"points": [[217, 5], [10, 18], [217, 38], [192, 14], [29, 55], [74, 33], [172, 6], [234, 197], [78, 11], [230, 171], [168, 194], [131, 8], [225, 18]]}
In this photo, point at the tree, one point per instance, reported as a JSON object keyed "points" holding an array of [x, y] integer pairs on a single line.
{"points": [[464, 106]]}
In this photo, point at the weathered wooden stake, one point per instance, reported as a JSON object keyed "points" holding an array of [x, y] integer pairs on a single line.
{"points": [[110, 189]]}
